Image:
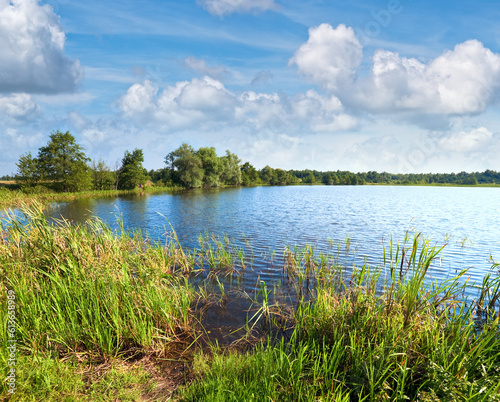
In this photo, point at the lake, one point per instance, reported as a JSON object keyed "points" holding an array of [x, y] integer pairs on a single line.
{"points": [[269, 218]]}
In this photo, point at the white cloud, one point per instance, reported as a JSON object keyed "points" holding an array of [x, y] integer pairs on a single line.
{"points": [[107, 137], [18, 108], [260, 111], [324, 113], [201, 67], [474, 140], [20, 140], [139, 100], [187, 104], [225, 7], [32, 58], [459, 82], [330, 57], [13, 143], [462, 81], [206, 103]]}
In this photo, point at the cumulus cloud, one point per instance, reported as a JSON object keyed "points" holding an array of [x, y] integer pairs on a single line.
{"points": [[330, 57], [474, 140], [324, 113], [32, 58], [186, 104], [18, 108], [459, 82], [225, 7], [206, 103], [201, 67], [13, 143], [107, 137], [20, 140], [462, 81]]}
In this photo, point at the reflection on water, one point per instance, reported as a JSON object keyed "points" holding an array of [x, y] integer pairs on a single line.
{"points": [[269, 218]]}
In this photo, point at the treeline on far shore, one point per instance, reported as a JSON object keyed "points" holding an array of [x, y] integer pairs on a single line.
{"points": [[62, 166]]}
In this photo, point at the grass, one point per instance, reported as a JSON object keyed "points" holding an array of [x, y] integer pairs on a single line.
{"points": [[85, 293], [113, 316], [407, 340], [15, 197], [45, 378]]}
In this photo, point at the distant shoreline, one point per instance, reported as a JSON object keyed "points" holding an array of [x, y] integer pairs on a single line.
{"points": [[15, 197]]}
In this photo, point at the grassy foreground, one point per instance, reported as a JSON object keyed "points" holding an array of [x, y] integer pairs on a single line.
{"points": [[110, 316], [86, 298]]}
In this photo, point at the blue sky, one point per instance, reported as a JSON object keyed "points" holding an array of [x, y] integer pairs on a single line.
{"points": [[394, 85]]}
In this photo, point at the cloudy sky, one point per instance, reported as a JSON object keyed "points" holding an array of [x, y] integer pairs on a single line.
{"points": [[387, 85]]}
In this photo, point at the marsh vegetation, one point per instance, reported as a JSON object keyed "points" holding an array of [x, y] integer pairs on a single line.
{"points": [[115, 315]]}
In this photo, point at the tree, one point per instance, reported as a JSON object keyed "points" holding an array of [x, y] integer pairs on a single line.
{"points": [[63, 162], [231, 173], [328, 179], [283, 178], [102, 176], [268, 175], [310, 179], [28, 171], [212, 166], [186, 166], [249, 174], [131, 174]]}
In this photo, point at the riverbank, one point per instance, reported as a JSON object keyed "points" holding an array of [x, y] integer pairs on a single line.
{"points": [[114, 316], [12, 198]]}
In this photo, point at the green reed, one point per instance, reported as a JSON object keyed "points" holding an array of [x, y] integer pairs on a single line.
{"points": [[385, 334], [84, 290], [87, 296]]}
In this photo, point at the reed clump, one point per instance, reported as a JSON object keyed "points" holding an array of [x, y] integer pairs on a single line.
{"points": [[385, 334], [84, 292], [17, 196]]}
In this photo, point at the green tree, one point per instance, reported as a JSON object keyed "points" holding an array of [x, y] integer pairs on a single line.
{"points": [[231, 173], [131, 173], [268, 175], [310, 179], [63, 162], [102, 176], [283, 177], [249, 174], [328, 179], [28, 171], [186, 166], [212, 166]]}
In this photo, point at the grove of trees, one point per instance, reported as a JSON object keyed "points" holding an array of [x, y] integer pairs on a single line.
{"points": [[62, 165], [199, 168]]}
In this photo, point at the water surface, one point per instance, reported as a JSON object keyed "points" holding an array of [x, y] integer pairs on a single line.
{"points": [[269, 218]]}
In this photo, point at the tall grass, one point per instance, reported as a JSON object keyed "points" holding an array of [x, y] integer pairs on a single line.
{"points": [[87, 296], [401, 337], [40, 194], [11, 197], [84, 291]]}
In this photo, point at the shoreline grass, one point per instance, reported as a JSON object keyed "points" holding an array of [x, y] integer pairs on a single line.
{"points": [[113, 316], [411, 341], [11, 198], [83, 293]]}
